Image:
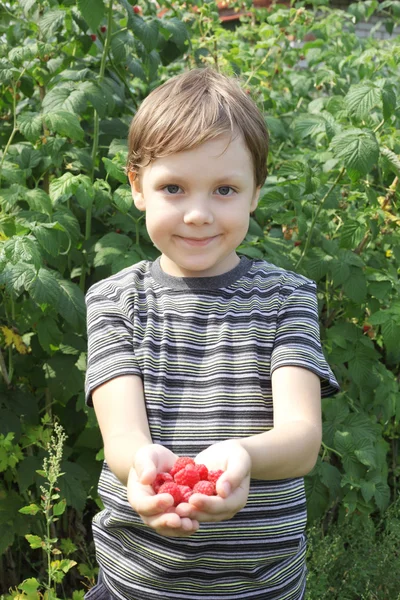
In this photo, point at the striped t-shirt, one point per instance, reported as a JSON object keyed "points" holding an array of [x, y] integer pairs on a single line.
{"points": [[205, 349]]}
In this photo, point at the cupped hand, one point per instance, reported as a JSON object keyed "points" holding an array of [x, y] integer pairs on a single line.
{"points": [[232, 487], [156, 510]]}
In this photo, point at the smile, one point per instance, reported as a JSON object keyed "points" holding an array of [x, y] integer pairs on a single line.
{"points": [[197, 241]]}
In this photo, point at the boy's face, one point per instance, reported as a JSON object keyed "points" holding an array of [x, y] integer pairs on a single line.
{"points": [[197, 205]]}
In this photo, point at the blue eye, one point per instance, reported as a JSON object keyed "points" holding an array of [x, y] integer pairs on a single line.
{"points": [[176, 188], [225, 187]]}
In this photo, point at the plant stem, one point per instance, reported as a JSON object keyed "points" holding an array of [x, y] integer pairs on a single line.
{"points": [[15, 128], [313, 223], [3, 370], [96, 129]]}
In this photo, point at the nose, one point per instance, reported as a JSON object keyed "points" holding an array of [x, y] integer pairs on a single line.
{"points": [[198, 212]]}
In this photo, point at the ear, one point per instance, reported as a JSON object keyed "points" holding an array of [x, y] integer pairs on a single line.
{"points": [[136, 188], [254, 201]]}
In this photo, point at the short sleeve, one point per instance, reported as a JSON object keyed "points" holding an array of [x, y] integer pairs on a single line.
{"points": [[110, 343], [297, 340]]}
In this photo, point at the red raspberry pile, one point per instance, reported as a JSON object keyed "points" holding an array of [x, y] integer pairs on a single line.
{"points": [[186, 478]]}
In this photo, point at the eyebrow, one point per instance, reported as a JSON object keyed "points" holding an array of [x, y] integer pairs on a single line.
{"points": [[239, 177]]}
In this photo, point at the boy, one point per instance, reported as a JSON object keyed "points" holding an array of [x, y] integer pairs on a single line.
{"points": [[206, 354]]}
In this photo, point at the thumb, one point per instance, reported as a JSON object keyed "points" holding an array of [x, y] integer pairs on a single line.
{"points": [[238, 468], [145, 466]]}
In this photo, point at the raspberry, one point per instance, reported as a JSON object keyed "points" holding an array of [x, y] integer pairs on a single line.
{"points": [[137, 9], [205, 487], [103, 29], [202, 471], [171, 488], [181, 464], [187, 476], [93, 36], [186, 492], [214, 475], [160, 479]]}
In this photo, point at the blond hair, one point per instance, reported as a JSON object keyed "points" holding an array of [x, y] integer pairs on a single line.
{"points": [[190, 109]]}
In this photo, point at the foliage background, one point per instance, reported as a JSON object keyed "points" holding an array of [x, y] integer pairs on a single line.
{"points": [[72, 75]]}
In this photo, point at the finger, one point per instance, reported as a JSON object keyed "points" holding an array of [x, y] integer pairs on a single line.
{"points": [[145, 466], [238, 469]]}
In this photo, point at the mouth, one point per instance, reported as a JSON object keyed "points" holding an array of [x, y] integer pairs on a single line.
{"points": [[197, 241]]}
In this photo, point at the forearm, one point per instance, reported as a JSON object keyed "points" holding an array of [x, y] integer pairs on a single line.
{"points": [[120, 451], [283, 452]]}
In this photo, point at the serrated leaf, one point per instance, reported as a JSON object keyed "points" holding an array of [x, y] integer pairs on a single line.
{"points": [[178, 31], [93, 11], [23, 249], [44, 288], [32, 509], [362, 98], [65, 97], [8, 72], [114, 170], [51, 21], [97, 97], [109, 247], [382, 495], [29, 586], [344, 442], [66, 185], [48, 333], [367, 490], [34, 541], [366, 454], [317, 496], [30, 125], [388, 93], [38, 200], [391, 159], [59, 508], [71, 303], [47, 236], [64, 123], [309, 125], [17, 277], [358, 149], [355, 287], [122, 199]]}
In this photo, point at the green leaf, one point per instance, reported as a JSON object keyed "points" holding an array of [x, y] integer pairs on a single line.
{"points": [[8, 72], [38, 200], [358, 149], [114, 170], [17, 277], [355, 287], [95, 96], [51, 21], [178, 31], [59, 508], [122, 199], [109, 247], [309, 125], [93, 11], [32, 509], [367, 490], [48, 333], [388, 93], [65, 97], [44, 288], [23, 249], [382, 495], [64, 123], [34, 541], [47, 236], [66, 185], [362, 98], [30, 586], [71, 305], [145, 31], [317, 496], [366, 453], [31, 126], [391, 159]]}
